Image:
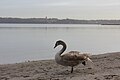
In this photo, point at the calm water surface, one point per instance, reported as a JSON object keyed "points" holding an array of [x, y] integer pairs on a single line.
{"points": [[23, 42]]}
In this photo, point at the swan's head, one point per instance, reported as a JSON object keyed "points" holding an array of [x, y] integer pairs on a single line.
{"points": [[59, 42]]}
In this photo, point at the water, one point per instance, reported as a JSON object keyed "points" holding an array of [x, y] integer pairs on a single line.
{"points": [[23, 42]]}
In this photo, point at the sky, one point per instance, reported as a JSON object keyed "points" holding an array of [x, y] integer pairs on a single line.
{"points": [[73, 9]]}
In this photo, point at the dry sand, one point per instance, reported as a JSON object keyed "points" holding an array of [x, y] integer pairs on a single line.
{"points": [[105, 67]]}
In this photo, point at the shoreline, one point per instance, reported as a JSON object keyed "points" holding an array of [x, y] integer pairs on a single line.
{"points": [[106, 67]]}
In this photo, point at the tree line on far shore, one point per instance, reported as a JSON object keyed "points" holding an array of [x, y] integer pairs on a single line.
{"points": [[57, 21]]}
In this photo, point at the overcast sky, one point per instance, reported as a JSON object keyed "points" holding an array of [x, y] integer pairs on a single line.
{"points": [[75, 9]]}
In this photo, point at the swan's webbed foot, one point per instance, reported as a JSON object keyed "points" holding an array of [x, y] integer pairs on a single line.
{"points": [[84, 63]]}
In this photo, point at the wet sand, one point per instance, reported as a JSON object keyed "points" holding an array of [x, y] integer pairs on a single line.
{"points": [[104, 67]]}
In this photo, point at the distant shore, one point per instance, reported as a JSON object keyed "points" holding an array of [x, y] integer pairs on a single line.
{"points": [[105, 67], [46, 20]]}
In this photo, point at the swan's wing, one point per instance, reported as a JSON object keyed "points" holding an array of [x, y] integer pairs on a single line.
{"points": [[72, 56]]}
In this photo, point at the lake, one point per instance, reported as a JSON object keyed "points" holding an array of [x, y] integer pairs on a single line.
{"points": [[23, 42]]}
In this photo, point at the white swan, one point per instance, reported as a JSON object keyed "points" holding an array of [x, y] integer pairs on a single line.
{"points": [[72, 58]]}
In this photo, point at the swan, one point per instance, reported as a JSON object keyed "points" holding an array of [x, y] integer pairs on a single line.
{"points": [[72, 58]]}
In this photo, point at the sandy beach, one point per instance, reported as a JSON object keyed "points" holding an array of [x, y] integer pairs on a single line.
{"points": [[104, 67]]}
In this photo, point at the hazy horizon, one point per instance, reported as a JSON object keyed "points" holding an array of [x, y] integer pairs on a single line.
{"points": [[73, 9]]}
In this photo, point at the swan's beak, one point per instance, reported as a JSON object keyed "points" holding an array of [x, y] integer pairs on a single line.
{"points": [[89, 60], [55, 46]]}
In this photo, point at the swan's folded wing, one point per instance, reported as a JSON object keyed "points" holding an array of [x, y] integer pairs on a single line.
{"points": [[72, 56]]}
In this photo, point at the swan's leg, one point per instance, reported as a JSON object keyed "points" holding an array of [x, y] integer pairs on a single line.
{"points": [[71, 69]]}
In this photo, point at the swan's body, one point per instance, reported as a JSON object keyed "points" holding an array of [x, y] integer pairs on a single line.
{"points": [[72, 58]]}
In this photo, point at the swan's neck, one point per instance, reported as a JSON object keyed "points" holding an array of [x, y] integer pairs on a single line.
{"points": [[58, 55], [63, 49]]}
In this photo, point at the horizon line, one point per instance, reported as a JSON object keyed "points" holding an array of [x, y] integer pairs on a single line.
{"points": [[55, 18]]}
